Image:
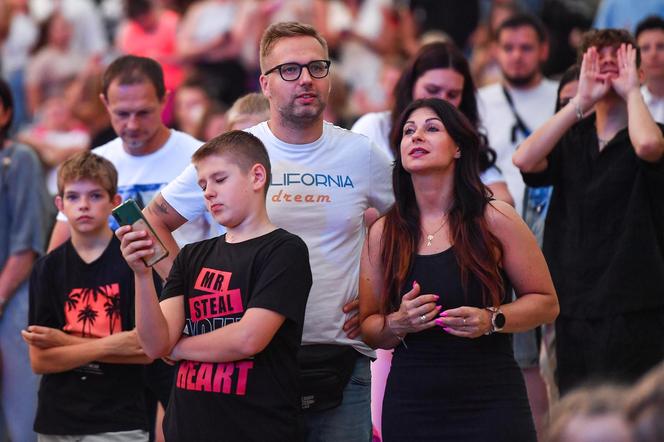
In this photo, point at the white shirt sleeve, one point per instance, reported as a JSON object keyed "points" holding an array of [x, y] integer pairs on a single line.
{"points": [[381, 196], [491, 175], [184, 194]]}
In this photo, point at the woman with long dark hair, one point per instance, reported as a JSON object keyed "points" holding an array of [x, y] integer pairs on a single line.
{"points": [[434, 277], [438, 70]]}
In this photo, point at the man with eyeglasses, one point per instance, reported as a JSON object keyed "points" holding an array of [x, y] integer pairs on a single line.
{"points": [[510, 111], [323, 179]]}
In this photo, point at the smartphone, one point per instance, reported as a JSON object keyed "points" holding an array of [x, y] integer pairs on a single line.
{"points": [[128, 213]]}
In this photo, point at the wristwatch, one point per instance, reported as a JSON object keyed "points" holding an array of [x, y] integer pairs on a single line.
{"points": [[497, 320]]}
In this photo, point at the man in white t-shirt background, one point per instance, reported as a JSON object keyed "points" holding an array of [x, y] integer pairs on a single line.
{"points": [[146, 153], [323, 180], [650, 38], [510, 111], [521, 49]]}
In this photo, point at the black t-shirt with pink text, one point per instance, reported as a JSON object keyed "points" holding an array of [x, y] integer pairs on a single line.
{"points": [[256, 399]]}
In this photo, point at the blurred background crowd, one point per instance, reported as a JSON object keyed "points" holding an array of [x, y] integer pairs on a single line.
{"points": [[53, 53]]}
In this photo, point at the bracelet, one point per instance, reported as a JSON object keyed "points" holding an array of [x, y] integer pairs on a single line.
{"points": [[578, 110], [399, 337]]}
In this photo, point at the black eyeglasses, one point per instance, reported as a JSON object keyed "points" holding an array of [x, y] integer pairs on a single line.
{"points": [[292, 71]]}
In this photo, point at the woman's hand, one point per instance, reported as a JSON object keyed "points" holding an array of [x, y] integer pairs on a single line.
{"points": [[465, 322], [416, 313]]}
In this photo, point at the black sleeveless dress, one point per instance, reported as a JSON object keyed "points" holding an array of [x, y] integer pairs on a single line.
{"points": [[446, 388]]}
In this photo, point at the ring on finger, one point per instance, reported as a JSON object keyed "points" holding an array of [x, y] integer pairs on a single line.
{"points": [[423, 319], [464, 322]]}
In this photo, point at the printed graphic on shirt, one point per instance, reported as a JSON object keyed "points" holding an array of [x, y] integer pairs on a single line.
{"points": [[216, 307], [308, 187], [93, 312]]}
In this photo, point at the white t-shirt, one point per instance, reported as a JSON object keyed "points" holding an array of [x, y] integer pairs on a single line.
{"points": [[319, 191], [142, 177], [377, 127], [654, 103], [534, 106]]}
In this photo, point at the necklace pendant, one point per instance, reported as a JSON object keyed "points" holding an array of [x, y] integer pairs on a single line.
{"points": [[429, 239]]}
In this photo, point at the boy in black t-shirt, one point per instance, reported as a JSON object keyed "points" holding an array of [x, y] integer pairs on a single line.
{"points": [[81, 335], [240, 299]]}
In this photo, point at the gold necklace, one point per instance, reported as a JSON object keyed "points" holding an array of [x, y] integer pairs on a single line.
{"points": [[430, 236]]}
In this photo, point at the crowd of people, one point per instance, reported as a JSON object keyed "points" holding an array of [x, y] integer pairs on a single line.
{"points": [[395, 221]]}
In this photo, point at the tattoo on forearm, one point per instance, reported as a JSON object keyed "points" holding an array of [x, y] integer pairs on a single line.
{"points": [[159, 207]]}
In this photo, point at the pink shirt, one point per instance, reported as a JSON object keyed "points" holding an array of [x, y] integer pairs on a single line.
{"points": [[158, 44]]}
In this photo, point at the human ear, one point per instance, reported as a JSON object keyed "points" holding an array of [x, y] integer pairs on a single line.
{"points": [[259, 176], [58, 203], [544, 51], [457, 154], [116, 200], [265, 88]]}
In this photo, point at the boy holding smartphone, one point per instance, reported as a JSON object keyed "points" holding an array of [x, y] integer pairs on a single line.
{"points": [[81, 335], [240, 299]]}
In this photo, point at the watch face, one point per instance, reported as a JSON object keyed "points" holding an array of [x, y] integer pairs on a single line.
{"points": [[499, 320]]}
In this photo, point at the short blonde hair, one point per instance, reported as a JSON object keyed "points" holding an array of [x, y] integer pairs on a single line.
{"points": [[88, 166], [277, 31], [586, 402], [253, 103], [645, 406]]}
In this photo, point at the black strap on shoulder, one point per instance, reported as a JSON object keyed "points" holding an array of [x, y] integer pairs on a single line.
{"points": [[519, 125]]}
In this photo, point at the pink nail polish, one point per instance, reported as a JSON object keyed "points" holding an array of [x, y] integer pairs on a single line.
{"points": [[437, 297], [447, 329], [443, 314], [414, 282], [438, 322]]}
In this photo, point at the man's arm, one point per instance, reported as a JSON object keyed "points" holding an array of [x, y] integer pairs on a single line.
{"points": [[531, 155], [645, 135], [47, 337], [16, 270], [59, 235], [122, 347], [164, 219], [234, 342]]}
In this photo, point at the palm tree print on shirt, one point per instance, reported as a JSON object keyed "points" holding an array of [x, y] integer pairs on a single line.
{"points": [[93, 312]]}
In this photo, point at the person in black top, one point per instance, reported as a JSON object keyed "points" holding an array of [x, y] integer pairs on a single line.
{"points": [[434, 276], [81, 335], [604, 233], [240, 299]]}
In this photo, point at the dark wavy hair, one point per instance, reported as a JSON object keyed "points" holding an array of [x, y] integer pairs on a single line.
{"points": [[8, 103], [570, 75], [441, 55], [477, 250]]}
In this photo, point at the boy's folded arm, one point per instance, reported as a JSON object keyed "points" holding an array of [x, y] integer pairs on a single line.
{"points": [[159, 324], [48, 337], [234, 342], [122, 347]]}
